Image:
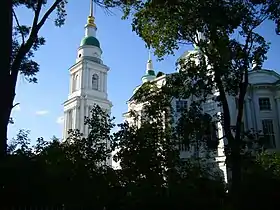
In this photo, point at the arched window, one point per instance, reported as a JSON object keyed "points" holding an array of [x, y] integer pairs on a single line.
{"points": [[94, 82], [76, 82]]}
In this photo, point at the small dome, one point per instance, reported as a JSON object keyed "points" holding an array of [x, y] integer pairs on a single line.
{"points": [[151, 72], [90, 40]]}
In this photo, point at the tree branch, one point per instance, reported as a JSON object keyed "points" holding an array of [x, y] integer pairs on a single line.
{"points": [[36, 16], [47, 14], [15, 105], [33, 35], [19, 27]]}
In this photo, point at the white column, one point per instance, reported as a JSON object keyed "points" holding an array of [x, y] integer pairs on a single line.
{"points": [[74, 126], [277, 105], [82, 114], [65, 126], [71, 83], [77, 116], [248, 113], [256, 112], [277, 99], [101, 81], [86, 126], [105, 83], [87, 77]]}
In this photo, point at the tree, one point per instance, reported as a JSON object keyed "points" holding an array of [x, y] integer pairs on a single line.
{"points": [[224, 60], [24, 42], [148, 151], [54, 173]]}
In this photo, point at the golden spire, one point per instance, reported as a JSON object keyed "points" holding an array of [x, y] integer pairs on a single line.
{"points": [[90, 20]]}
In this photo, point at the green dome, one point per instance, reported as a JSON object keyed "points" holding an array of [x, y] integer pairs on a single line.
{"points": [[151, 73], [90, 40]]}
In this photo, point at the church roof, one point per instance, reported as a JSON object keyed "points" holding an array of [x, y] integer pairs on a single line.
{"points": [[90, 40]]}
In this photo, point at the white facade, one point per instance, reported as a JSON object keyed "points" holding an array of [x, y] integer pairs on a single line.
{"points": [[88, 82], [261, 110]]}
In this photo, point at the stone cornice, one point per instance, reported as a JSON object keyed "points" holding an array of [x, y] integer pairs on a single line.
{"points": [[69, 101], [99, 65], [262, 86]]}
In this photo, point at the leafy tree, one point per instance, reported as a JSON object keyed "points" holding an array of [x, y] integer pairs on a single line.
{"points": [[224, 60], [148, 151], [260, 181], [53, 173], [22, 42]]}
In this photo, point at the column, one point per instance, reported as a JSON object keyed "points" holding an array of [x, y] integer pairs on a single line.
{"points": [[77, 116], [101, 82], [105, 83], [248, 113], [256, 112], [71, 84], [82, 114], [65, 126], [277, 106], [74, 113], [87, 115]]}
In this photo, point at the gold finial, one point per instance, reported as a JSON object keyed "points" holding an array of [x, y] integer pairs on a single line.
{"points": [[90, 20]]}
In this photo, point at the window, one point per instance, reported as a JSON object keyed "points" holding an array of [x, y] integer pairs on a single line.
{"points": [[268, 131], [264, 104], [183, 146], [181, 105], [95, 80], [76, 82]]}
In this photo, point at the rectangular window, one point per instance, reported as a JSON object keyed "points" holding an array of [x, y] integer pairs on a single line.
{"points": [[264, 104], [268, 131], [181, 105]]}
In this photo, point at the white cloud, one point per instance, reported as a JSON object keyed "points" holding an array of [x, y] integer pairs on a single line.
{"points": [[42, 112], [60, 120]]}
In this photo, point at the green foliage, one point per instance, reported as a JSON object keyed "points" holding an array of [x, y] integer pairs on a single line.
{"points": [[25, 38], [226, 42], [71, 174], [22, 42], [197, 127], [56, 173]]}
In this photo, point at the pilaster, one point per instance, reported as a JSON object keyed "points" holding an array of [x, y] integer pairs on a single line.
{"points": [[248, 113]]}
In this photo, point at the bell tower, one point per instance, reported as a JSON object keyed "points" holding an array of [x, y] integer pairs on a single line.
{"points": [[88, 81]]}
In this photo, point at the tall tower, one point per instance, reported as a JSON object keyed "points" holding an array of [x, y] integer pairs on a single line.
{"points": [[150, 73], [88, 81]]}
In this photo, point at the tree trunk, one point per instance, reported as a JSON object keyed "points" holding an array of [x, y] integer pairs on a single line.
{"points": [[235, 159], [7, 98]]}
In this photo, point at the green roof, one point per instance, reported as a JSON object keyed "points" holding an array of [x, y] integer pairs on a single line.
{"points": [[90, 40], [151, 72]]}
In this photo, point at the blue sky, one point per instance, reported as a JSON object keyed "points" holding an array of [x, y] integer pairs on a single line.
{"points": [[123, 51]]}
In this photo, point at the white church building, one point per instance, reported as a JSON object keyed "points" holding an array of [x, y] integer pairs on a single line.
{"points": [[261, 111], [88, 81], [88, 86]]}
